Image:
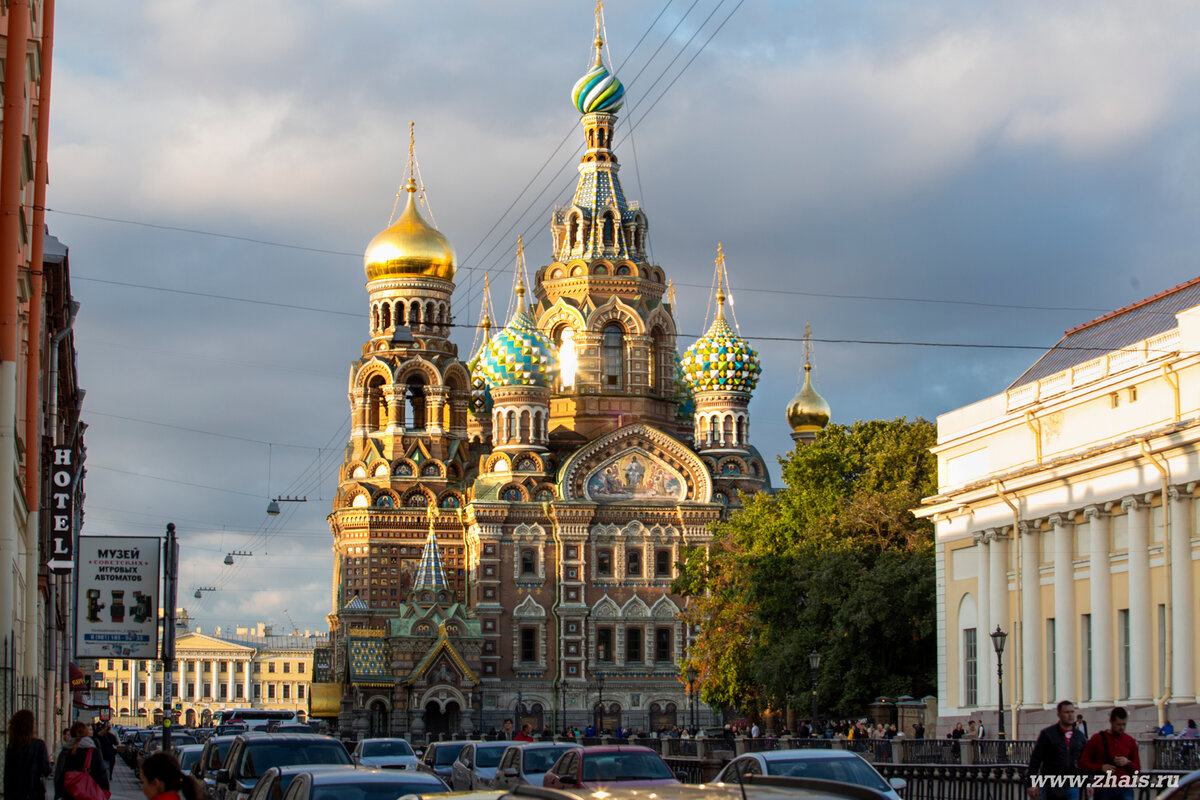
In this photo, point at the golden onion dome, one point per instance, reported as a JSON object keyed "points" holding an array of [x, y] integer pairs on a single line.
{"points": [[410, 247], [808, 411]]}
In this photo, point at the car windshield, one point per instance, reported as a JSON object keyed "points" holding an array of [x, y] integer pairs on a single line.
{"points": [[445, 756], [188, 758], [395, 747], [261, 756], [842, 770], [217, 756], [541, 759], [489, 755], [624, 767], [373, 791]]}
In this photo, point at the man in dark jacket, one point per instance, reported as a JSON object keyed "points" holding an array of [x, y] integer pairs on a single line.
{"points": [[1056, 752]]}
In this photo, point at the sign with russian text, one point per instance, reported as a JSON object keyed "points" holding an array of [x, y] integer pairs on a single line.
{"points": [[62, 512], [116, 597]]}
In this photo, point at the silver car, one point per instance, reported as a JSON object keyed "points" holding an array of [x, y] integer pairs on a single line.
{"points": [[363, 784], [526, 763], [475, 767], [839, 766], [385, 754]]}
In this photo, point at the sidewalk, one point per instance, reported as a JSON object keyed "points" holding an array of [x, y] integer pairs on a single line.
{"points": [[124, 784]]}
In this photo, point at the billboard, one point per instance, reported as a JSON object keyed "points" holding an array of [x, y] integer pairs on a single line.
{"points": [[116, 597]]}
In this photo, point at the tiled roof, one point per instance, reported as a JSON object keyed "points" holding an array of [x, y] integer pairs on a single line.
{"points": [[1115, 330]]}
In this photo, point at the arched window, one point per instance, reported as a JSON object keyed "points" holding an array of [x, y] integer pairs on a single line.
{"points": [[727, 439], [614, 345], [386, 319], [510, 431], [414, 315], [525, 431], [609, 230], [430, 315], [657, 375], [374, 318], [416, 401], [400, 313], [377, 410], [741, 430], [568, 360], [574, 231]]}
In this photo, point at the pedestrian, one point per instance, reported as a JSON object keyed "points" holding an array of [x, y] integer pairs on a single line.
{"points": [[754, 731], [163, 779], [1112, 752], [980, 731], [26, 762], [525, 735], [108, 744], [1167, 729], [1081, 727], [506, 732], [81, 756], [972, 730], [918, 730], [1056, 752], [1190, 732]]}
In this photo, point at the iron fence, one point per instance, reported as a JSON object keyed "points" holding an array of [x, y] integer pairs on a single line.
{"points": [[1177, 754], [987, 782]]}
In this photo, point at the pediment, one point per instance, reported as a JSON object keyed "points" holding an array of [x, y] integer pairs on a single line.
{"points": [[199, 642], [636, 463]]}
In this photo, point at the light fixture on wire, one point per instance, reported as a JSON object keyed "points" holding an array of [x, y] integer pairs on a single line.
{"points": [[229, 556], [273, 506], [201, 589]]}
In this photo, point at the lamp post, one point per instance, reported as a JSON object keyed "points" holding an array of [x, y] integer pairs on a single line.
{"points": [[814, 664], [600, 704], [477, 699], [691, 687], [517, 712], [998, 637]]}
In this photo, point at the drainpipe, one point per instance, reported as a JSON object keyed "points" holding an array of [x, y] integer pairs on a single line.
{"points": [[559, 683], [1035, 425], [1019, 617], [1173, 381], [1163, 470]]}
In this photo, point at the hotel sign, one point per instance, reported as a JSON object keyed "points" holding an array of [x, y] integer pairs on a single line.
{"points": [[62, 512]]}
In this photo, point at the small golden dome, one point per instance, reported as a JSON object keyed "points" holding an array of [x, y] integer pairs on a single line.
{"points": [[808, 411], [410, 247]]}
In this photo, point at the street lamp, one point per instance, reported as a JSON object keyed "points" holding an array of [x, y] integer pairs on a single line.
{"points": [[998, 637], [691, 685], [600, 704], [814, 664]]}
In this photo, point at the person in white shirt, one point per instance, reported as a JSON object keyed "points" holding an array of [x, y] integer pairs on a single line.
{"points": [[754, 731]]}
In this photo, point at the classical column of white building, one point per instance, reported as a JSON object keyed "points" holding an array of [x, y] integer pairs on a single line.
{"points": [[1065, 639], [1032, 646], [1140, 685], [246, 680], [229, 680], [1100, 581], [997, 606], [983, 612], [1182, 685]]}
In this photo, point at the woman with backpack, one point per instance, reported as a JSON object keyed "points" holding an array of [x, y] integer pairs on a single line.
{"points": [[79, 762], [26, 762]]}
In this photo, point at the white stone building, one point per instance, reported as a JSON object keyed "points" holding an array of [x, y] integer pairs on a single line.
{"points": [[1065, 516]]}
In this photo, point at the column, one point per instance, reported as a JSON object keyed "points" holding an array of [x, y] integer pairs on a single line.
{"points": [[998, 604], [1100, 582], [1140, 623], [358, 416], [1065, 640], [1032, 650], [246, 683], [198, 682], [229, 681], [983, 618], [150, 685], [215, 680], [1182, 683], [435, 399]]}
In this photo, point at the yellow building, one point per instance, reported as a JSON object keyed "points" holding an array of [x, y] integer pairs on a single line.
{"points": [[1065, 517], [253, 667]]}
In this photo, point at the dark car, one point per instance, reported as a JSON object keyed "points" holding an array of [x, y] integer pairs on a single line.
{"points": [[439, 758], [594, 767], [178, 739], [212, 759], [363, 784], [252, 754], [275, 781], [188, 755]]}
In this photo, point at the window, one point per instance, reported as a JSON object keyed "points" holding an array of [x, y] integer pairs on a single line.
{"points": [[300, 666], [528, 645], [528, 562], [662, 644], [110, 665], [662, 563], [1133, 394], [287, 666], [633, 646], [604, 637], [257, 691], [287, 691], [970, 668], [237, 691], [633, 563], [270, 666], [604, 567], [270, 691], [613, 357], [223, 691], [1085, 637], [300, 692]]}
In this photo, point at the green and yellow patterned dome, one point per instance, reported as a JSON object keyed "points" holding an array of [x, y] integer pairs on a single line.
{"points": [[720, 360], [519, 355]]}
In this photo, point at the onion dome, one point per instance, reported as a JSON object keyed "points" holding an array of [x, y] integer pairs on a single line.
{"points": [[599, 89], [519, 355], [410, 247], [481, 396], [720, 359], [808, 412]]}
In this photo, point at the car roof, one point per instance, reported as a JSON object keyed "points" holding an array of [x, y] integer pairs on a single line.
{"points": [[615, 748], [360, 775], [298, 769], [263, 736], [543, 745], [188, 748], [385, 739], [793, 755]]}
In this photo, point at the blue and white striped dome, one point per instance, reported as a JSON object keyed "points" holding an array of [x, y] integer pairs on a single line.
{"points": [[519, 355]]}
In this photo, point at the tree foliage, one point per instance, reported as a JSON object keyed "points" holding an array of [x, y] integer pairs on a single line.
{"points": [[836, 562]]}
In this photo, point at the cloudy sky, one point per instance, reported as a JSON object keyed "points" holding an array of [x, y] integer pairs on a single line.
{"points": [[938, 173]]}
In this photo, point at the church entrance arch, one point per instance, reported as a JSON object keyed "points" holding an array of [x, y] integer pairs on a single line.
{"points": [[377, 718], [442, 724]]}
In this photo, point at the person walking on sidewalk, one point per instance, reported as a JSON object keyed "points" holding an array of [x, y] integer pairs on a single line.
{"points": [[1056, 752], [1112, 752], [83, 751], [163, 779], [26, 762]]}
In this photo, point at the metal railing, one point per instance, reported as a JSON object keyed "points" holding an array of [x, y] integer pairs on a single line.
{"points": [[1182, 754], [987, 782]]}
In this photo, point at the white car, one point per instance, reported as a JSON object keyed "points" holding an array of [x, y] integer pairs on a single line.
{"points": [[526, 763], [475, 767], [839, 766], [385, 754]]}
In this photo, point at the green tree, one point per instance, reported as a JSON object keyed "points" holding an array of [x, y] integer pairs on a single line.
{"points": [[836, 562]]}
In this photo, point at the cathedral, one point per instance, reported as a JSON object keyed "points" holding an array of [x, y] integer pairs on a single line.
{"points": [[506, 528]]}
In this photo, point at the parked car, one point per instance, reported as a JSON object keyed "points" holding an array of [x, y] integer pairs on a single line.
{"points": [[178, 739], [475, 767], [439, 758], [211, 760], [780, 789], [385, 754], [527, 764], [275, 781], [188, 755], [363, 784], [252, 754], [839, 766], [594, 767]]}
